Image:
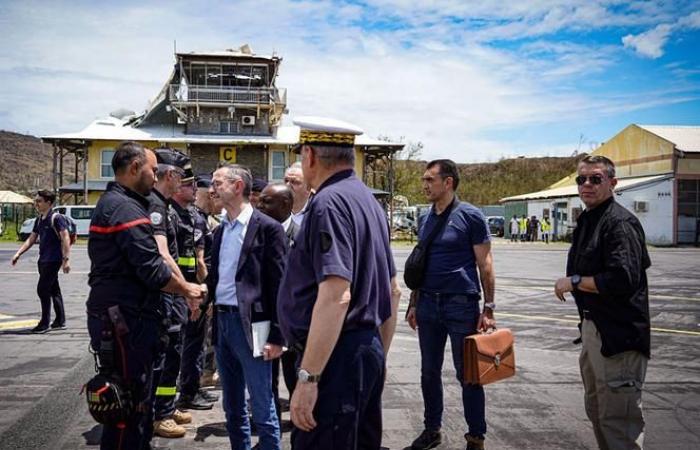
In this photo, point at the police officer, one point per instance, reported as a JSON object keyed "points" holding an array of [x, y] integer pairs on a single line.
{"points": [[127, 271], [338, 297], [172, 166], [191, 229]]}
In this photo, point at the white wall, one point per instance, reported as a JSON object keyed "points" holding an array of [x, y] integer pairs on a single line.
{"points": [[658, 221]]}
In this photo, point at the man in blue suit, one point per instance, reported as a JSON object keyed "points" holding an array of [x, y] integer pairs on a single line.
{"points": [[248, 256]]}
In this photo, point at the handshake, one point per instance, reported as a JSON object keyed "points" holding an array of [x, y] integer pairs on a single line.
{"points": [[195, 295]]}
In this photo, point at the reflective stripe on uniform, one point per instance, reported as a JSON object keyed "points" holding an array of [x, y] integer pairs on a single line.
{"points": [[166, 391], [120, 227], [186, 261]]}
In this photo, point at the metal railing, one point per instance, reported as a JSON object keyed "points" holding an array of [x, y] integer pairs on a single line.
{"points": [[226, 94]]}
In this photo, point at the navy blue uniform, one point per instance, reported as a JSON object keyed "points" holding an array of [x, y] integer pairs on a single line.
{"points": [[167, 365], [344, 234], [48, 230], [126, 270]]}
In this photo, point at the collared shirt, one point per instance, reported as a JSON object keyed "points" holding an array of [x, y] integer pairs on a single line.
{"points": [[287, 223], [298, 217], [609, 245], [344, 234], [48, 229], [451, 261], [231, 243]]}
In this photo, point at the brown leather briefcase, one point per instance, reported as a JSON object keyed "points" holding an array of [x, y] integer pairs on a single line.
{"points": [[489, 357]]}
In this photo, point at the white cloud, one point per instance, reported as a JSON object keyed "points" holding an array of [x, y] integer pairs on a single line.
{"points": [[425, 71], [651, 42]]}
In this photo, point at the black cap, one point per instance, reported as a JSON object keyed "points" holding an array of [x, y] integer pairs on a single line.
{"points": [[258, 184], [173, 158], [203, 181]]}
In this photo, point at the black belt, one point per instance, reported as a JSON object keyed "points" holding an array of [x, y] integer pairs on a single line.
{"points": [[226, 308]]}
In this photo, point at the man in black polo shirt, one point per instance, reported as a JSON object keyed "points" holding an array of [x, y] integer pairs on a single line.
{"points": [[606, 273], [54, 252]]}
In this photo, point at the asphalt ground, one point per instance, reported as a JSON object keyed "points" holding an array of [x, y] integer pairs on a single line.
{"points": [[540, 408]]}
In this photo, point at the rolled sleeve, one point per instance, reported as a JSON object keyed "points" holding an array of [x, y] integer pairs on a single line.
{"points": [[332, 245]]}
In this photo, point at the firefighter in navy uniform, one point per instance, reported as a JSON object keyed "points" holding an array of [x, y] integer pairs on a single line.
{"points": [[172, 167], [191, 229], [338, 297], [127, 271]]}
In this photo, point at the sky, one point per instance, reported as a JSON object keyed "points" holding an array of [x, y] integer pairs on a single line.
{"points": [[470, 80]]}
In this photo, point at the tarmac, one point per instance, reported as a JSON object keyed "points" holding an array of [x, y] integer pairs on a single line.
{"points": [[540, 408]]}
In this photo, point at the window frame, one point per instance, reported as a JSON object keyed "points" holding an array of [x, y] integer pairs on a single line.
{"points": [[108, 163]]}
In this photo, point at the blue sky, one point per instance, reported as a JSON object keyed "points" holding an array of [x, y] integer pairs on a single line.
{"points": [[471, 80]]}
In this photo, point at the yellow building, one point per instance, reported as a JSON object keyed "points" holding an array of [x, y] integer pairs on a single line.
{"points": [[658, 168], [216, 107]]}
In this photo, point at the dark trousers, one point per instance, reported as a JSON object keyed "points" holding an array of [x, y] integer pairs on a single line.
{"points": [[167, 368], [193, 355], [49, 292], [288, 361], [439, 317], [134, 357], [348, 411]]}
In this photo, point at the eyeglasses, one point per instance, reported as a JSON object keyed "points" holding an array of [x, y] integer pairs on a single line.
{"points": [[594, 179], [293, 181]]}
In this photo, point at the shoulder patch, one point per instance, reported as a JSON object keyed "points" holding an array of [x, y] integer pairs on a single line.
{"points": [[197, 234], [156, 218], [326, 241]]}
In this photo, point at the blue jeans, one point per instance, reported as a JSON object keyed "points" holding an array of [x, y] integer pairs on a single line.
{"points": [[456, 316], [238, 369]]}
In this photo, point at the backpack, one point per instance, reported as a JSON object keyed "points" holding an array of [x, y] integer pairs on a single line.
{"points": [[72, 227]]}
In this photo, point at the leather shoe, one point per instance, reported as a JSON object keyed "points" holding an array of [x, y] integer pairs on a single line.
{"points": [[194, 402], [428, 439]]}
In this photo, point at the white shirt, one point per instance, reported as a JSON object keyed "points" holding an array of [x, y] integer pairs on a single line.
{"points": [[232, 238]]}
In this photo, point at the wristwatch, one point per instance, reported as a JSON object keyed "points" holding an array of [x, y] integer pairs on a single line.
{"points": [[490, 305], [575, 281], [305, 377]]}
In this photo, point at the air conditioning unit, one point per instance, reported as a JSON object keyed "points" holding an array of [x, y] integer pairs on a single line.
{"points": [[641, 206], [248, 121]]}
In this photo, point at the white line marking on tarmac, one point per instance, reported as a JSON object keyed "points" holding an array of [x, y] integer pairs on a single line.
{"points": [[5, 316]]}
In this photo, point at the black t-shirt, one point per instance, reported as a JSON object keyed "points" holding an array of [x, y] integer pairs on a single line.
{"points": [[48, 230]]}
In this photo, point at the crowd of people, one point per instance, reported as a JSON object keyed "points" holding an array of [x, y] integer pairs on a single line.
{"points": [[524, 229], [224, 276]]}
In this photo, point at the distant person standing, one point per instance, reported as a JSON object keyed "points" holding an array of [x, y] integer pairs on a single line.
{"points": [[522, 228], [606, 274], [545, 228], [54, 253], [514, 229], [533, 227]]}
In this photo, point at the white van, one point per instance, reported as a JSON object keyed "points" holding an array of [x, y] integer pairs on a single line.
{"points": [[81, 214]]}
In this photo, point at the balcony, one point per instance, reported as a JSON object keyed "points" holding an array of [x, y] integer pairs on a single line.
{"points": [[226, 95]]}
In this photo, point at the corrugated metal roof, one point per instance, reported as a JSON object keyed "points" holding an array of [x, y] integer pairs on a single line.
{"points": [[13, 197], [686, 138], [114, 129], [572, 190]]}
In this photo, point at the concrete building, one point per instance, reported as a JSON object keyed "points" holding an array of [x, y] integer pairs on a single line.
{"points": [[658, 168], [216, 107]]}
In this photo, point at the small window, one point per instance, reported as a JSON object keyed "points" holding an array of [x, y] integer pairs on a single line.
{"points": [[278, 163], [227, 127], [81, 213], [106, 164]]}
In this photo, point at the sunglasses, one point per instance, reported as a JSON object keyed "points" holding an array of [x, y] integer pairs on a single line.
{"points": [[594, 179]]}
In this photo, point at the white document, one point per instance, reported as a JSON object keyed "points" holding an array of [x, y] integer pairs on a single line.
{"points": [[261, 331]]}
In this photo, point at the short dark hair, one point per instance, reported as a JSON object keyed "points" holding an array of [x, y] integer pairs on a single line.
{"points": [[600, 159], [48, 196], [125, 153], [448, 168]]}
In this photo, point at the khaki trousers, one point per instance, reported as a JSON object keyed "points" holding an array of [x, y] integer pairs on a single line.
{"points": [[613, 392]]}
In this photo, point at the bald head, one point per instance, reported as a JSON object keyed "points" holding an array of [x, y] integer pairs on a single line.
{"points": [[276, 201]]}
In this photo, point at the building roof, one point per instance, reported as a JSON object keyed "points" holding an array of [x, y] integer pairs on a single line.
{"points": [[686, 138], [13, 197], [572, 190], [114, 129]]}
